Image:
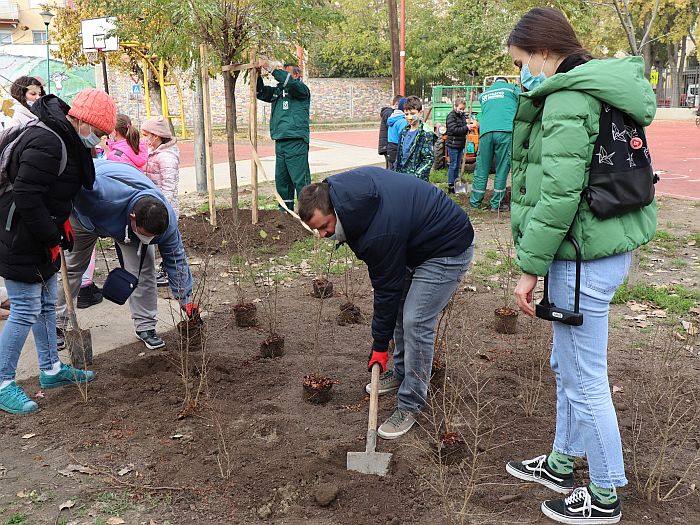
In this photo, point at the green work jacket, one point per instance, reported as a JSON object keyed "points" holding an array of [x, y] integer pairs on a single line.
{"points": [[498, 105], [291, 101], [555, 129]]}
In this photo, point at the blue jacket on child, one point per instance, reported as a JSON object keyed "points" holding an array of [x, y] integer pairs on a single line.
{"points": [[105, 210], [392, 222], [396, 122]]}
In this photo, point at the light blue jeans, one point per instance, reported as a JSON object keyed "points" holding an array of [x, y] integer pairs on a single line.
{"points": [[586, 419], [427, 290], [33, 307]]}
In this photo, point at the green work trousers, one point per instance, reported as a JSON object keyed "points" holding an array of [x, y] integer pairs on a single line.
{"points": [[498, 144], [291, 168]]}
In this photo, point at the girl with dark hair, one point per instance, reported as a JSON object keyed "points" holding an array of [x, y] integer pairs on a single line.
{"points": [[126, 144], [25, 90], [555, 131]]}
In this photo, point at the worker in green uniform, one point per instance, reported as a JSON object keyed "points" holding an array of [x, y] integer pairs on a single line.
{"points": [[289, 128], [498, 106]]}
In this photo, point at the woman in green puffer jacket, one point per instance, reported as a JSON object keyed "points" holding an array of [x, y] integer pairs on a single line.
{"points": [[555, 129]]}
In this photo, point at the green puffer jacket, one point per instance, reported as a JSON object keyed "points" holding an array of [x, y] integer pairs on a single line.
{"points": [[554, 132]]}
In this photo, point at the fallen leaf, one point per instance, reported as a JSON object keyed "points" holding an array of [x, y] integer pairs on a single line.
{"points": [[39, 394], [658, 313], [24, 494], [471, 288], [692, 242], [695, 311], [115, 521], [124, 471], [176, 436], [679, 336], [637, 307], [616, 389], [263, 234], [68, 504], [643, 324], [690, 328], [28, 436], [142, 354]]}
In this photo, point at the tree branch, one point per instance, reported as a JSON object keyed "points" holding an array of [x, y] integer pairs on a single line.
{"points": [[651, 23]]}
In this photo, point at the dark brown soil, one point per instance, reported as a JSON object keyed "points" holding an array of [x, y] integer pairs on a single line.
{"points": [[191, 334], [322, 288], [272, 346], [505, 320], [317, 390], [246, 315], [253, 451], [279, 232], [349, 314], [451, 448]]}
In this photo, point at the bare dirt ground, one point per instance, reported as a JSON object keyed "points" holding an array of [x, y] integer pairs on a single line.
{"points": [[250, 450]]}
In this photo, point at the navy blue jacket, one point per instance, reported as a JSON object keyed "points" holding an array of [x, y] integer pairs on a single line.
{"points": [[394, 222]]}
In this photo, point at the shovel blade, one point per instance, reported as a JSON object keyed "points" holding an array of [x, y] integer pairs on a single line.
{"points": [[461, 188], [79, 346], [370, 462]]}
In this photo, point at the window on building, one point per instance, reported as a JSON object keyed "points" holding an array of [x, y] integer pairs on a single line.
{"points": [[39, 37], [5, 37]]}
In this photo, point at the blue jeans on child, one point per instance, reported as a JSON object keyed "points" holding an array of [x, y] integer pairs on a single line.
{"points": [[455, 161], [427, 290], [33, 307], [586, 420]]}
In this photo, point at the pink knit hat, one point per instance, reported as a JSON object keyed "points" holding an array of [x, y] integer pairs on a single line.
{"points": [[95, 107], [158, 126]]}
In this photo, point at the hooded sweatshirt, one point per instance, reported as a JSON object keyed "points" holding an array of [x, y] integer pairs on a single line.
{"points": [[163, 168], [121, 151], [105, 211], [555, 129], [396, 122]]}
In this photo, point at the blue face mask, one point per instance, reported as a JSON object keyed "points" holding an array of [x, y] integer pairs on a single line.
{"points": [[530, 81]]}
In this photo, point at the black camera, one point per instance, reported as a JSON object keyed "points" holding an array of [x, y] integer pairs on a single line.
{"points": [[551, 312]]}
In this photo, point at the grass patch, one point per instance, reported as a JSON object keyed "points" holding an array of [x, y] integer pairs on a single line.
{"points": [[676, 299], [438, 176], [694, 237], [493, 263], [117, 503], [17, 519], [679, 263]]}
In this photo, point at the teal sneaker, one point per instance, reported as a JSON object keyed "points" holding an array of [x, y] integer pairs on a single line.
{"points": [[15, 401], [66, 376]]}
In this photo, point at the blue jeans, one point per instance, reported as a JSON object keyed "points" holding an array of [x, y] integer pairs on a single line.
{"points": [[455, 161], [427, 290], [586, 419], [33, 307]]}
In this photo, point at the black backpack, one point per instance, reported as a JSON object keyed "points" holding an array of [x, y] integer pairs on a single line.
{"points": [[621, 177]]}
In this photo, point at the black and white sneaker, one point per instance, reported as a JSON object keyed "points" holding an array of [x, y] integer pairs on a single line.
{"points": [[151, 339], [162, 278], [581, 508], [538, 470]]}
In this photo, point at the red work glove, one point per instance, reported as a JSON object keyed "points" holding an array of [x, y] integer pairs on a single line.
{"points": [[54, 251], [378, 356], [67, 236], [192, 311]]}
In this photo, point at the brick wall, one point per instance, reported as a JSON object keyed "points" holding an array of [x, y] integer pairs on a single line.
{"points": [[332, 99]]}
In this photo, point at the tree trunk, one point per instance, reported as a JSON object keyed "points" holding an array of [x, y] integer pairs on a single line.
{"points": [[680, 86], [394, 38], [229, 87], [648, 60]]}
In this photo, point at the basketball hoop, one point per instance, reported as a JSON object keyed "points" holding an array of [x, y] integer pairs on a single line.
{"points": [[92, 56]]}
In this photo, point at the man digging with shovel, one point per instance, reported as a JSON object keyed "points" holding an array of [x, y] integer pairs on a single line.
{"points": [[417, 245]]}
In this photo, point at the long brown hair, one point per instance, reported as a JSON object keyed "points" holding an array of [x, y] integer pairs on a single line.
{"points": [[127, 130], [547, 29]]}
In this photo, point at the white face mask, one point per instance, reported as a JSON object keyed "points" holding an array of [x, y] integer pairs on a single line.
{"points": [[144, 239], [30, 103]]}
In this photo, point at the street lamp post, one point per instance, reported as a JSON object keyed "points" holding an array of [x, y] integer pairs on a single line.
{"points": [[46, 16]]}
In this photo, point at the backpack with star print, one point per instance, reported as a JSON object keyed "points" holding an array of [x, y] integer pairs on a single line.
{"points": [[621, 177]]}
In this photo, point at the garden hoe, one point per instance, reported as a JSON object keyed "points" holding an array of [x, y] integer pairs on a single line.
{"points": [[370, 461], [78, 342]]}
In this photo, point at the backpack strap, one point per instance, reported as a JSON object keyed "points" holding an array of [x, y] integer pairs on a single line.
{"points": [[64, 151], [144, 250]]}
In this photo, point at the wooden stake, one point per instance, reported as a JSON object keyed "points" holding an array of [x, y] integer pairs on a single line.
{"points": [[208, 146], [253, 134]]}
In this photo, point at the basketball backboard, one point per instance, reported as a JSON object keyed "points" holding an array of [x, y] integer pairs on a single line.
{"points": [[97, 34]]}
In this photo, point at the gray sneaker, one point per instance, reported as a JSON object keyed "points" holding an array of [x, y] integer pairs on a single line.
{"points": [[397, 425], [387, 383]]}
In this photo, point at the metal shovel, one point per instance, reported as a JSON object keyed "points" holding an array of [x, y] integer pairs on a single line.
{"points": [[369, 461], [78, 342], [460, 186]]}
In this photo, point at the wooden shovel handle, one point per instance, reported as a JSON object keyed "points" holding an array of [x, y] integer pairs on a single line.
{"points": [[374, 398], [66, 291]]}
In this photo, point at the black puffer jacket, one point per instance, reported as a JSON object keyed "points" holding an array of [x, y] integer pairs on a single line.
{"points": [[32, 214], [456, 130], [385, 113]]}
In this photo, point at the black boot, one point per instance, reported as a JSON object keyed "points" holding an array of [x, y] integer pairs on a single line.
{"points": [[89, 296]]}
